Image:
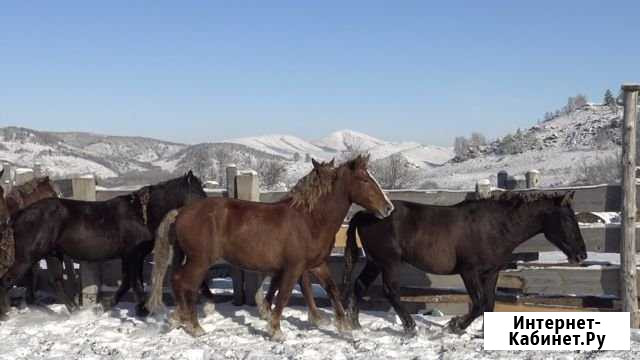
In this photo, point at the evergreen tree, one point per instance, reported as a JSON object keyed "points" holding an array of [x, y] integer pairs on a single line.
{"points": [[609, 99]]}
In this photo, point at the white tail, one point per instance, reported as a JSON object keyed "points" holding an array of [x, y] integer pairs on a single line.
{"points": [[162, 257]]}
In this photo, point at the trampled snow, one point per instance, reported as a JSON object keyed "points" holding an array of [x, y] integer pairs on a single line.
{"points": [[238, 333]]}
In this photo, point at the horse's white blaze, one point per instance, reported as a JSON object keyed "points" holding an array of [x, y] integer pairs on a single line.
{"points": [[386, 198]]}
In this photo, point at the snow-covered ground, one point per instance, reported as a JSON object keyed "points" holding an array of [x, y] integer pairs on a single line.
{"points": [[238, 333]]}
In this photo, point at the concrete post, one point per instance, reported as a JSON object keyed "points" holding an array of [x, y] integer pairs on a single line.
{"points": [[232, 172], [247, 189], [483, 188], [628, 272], [84, 188], [533, 179], [23, 175], [37, 170], [237, 275], [503, 177]]}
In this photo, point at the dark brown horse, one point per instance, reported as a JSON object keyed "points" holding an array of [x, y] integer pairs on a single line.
{"points": [[285, 238], [474, 238], [122, 227], [24, 195]]}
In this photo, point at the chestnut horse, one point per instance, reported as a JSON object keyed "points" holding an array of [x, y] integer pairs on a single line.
{"points": [[285, 238], [22, 196], [474, 238]]}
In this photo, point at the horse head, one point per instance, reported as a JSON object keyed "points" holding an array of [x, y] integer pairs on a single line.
{"points": [[560, 226], [192, 188], [363, 189]]}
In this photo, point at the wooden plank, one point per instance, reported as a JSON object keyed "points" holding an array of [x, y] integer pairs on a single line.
{"points": [[628, 276]]}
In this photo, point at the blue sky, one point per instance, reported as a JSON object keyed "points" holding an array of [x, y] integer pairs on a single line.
{"points": [[400, 70]]}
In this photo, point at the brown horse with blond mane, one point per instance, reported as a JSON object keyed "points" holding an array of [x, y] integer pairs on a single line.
{"points": [[284, 239]]}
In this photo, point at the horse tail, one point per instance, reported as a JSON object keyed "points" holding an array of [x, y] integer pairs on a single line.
{"points": [[162, 257], [351, 250], [7, 248]]}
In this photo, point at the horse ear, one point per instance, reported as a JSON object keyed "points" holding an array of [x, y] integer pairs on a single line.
{"points": [[190, 173], [315, 163], [1, 172], [332, 162], [567, 199]]}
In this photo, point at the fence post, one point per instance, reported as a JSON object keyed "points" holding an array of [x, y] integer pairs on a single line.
{"points": [[37, 170], [84, 188], [628, 288], [533, 179], [503, 176], [237, 275], [23, 175], [483, 188], [247, 189]]}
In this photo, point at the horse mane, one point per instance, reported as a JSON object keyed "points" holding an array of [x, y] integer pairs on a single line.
{"points": [[320, 181], [309, 189], [28, 187]]}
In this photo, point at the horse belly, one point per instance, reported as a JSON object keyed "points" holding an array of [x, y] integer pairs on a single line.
{"points": [[91, 246]]}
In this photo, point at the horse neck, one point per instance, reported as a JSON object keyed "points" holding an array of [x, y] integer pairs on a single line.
{"points": [[525, 222], [329, 213]]}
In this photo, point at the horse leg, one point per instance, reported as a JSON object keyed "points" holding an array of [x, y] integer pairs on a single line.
{"points": [[358, 290], [476, 292], [324, 276], [54, 268], [16, 272], [264, 305], [31, 285], [390, 288], [287, 283], [125, 285], [135, 267], [186, 283], [315, 316]]}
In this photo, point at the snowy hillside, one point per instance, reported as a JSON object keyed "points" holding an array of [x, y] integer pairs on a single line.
{"points": [[560, 149], [347, 139], [283, 145], [557, 148]]}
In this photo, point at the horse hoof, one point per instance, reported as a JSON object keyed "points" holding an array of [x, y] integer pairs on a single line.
{"points": [[410, 332], [320, 320], [141, 310], [4, 317], [455, 327], [343, 326], [195, 331], [277, 335]]}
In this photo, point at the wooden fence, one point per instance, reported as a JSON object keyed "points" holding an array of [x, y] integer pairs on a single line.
{"points": [[528, 278]]}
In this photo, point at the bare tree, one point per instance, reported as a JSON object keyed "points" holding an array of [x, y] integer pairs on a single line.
{"points": [[223, 157], [201, 164], [351, 151], [477, 139], [393, 172], [271, 172]]}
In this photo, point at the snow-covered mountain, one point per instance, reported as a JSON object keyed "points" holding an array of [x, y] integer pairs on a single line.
{"points": [[560, 148], [122, 159]]}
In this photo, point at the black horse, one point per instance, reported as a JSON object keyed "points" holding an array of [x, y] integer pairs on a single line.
{"points": [[122, 227], [474, 238]]}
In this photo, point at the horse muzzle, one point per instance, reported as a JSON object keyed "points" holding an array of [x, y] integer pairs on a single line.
{"points": [[386, 211]]}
